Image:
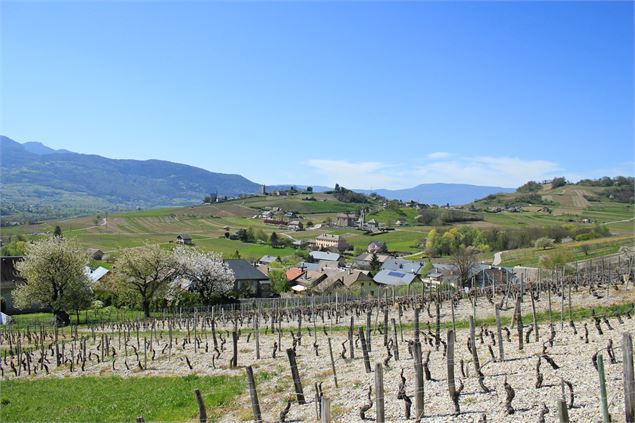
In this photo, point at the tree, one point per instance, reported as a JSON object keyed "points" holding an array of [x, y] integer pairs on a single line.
{"points": [[279, 282], [464, 259], [543, 243], [375, 264], [274, 240], [337, 187], [210, 277], [555, 261], [309, 189], [585, 249], [55, 277], [558, 182], [145, 272], [57, 231], [431, 241]]}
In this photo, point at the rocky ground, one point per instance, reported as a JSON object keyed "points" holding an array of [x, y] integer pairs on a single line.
{"points": [[275, 386]]}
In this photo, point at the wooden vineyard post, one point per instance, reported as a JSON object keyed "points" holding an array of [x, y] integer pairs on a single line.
{"points": [[234, 360], [519, 323], [325, 414], [419, 389], [351, 343], [416, 325], [257, 330], [604, 401], [296, 376], [533, 314], [629, 380], [368, 331], [386, 325], [379, 392], [364, 350], [450, 364], [563, 414], [499, 335], [395, 345], [332, 362], [253, 394], [202, 413]]}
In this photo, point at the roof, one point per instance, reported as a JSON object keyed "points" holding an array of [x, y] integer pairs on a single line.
{"points": [[402, 265], [309, 266], [268, 259], [184, 236], [330, 283], [355, 276], [294, 273], [394, 277], [328, 237], [382, 257], [243, 270], [97, 274], [346, 215], [325, 255], [298, 288]]}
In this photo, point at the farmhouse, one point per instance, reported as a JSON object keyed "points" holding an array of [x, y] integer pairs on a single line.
{"points": [[295, 225], [248, 280], [267, 260], [329, 241], [345, 219], [362, 261], [324, 256], [402, 265], [395, 278], [95, 254], [184, 239], [376, 247]]}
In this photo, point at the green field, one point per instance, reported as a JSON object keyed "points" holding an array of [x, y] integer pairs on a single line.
{"points": [[114, 399]]}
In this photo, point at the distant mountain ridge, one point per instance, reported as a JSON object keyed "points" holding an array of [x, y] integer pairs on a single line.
{"points": [[440, 193], [39, 182]]}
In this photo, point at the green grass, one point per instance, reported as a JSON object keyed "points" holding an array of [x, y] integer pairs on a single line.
{"points": [[114, 399], [597, 248]]}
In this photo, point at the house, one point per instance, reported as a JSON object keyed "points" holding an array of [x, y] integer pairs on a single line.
{"points": [[97, 274], [294, 273], [395, 278], [399, 264], [345, 219], [248, 280], [329, 241], [401, 222], [295, 225], [359, 282], [184, 239], [372, 224], [324, 255], [95, 254], [309, 266], [267, 260], [362, 261], [333, 282], [376, 247]]}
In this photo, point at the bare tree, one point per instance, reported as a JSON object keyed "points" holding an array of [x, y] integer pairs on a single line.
{"points": [[464, 259]]}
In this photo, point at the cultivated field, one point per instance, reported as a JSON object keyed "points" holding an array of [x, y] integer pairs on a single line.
{"points": [[558, 325]]}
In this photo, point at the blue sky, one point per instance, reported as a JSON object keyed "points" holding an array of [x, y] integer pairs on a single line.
{"points": [[367, 94]]}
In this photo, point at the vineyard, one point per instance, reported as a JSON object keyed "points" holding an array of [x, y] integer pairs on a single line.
{"points": [[555, 349]]}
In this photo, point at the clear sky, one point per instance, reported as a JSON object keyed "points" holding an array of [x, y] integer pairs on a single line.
{"points": [[367, 94]]}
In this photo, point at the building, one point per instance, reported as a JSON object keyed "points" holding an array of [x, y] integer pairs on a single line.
{"points": [[95, 254], [399, 264], [377, 247], [362, 261], [249, 281], [395, 278], [263, 189], [295, 225], [329, 241], [97, 274], [345, 219], [267, 260], [294, 273], [324, 256], [184, 239]]}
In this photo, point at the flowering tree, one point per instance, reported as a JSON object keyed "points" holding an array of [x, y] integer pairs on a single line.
{"points": [[145, 272], [208, 274], [55, 277]]}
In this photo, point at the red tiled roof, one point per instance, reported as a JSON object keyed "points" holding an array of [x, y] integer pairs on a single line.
{"points": [[294, 273]]}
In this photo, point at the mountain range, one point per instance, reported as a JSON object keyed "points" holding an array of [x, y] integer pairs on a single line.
{"points": [[40, 182]]}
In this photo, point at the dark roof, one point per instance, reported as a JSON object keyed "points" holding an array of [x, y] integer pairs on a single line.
{"points": [[184, 236], [243, 270]]}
